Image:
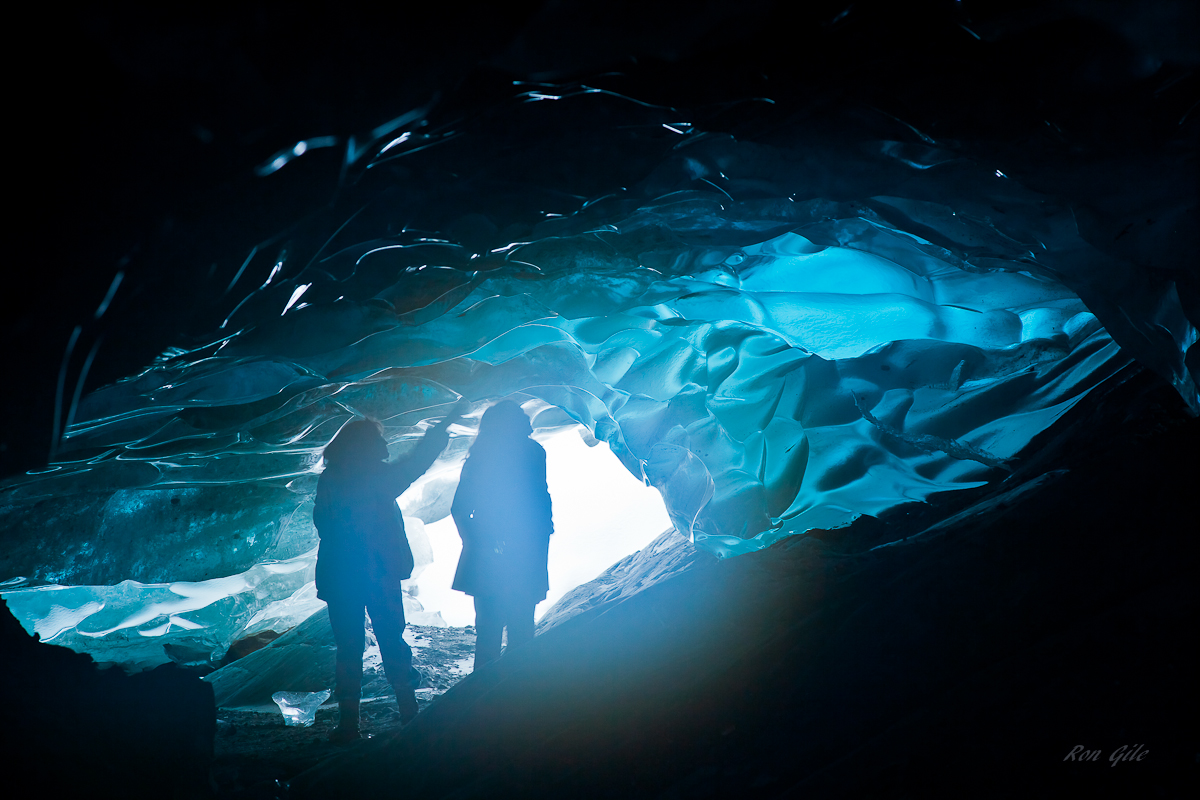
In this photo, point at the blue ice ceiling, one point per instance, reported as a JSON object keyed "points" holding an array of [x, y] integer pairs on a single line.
{"points": [[780, 330]]}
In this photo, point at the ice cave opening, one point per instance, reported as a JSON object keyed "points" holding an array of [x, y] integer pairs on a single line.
{"points": [[767, 385], [601, 515], [859, 345], [777, 329]]}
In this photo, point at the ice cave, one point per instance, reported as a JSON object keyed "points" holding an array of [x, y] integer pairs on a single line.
{"points": [[869, 408]]}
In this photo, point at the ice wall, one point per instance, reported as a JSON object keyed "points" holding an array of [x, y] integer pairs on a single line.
{"points": [[141, 625], [780, 332], [765, 388]]}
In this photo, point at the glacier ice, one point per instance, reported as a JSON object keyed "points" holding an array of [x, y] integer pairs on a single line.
{"points": [[299, 709], [830, 329], [130, 623], [138, 625]]}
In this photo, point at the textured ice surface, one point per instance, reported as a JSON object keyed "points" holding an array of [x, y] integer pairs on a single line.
{"points": [[668, 555], [130, 622], [300, 708], [779, 332], [144, 625]]}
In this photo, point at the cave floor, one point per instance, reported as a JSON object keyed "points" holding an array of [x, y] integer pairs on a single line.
{"points": [[253, 748]]}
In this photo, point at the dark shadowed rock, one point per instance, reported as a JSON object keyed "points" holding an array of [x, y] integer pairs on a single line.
{"points": [[72, 728], [970, 660]]}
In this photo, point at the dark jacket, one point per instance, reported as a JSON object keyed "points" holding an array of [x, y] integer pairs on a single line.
{"points": [[363, 546], [502, 510]]}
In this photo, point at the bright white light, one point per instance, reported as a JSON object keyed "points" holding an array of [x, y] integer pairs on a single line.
{"points": [[601, 514], [274, 271], [295, 296], [404, 137]]}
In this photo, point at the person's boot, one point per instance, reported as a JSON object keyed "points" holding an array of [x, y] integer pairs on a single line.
{"points": [[348, 690], [406, 703]]}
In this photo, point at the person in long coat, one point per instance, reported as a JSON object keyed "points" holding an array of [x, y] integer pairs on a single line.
{"points": [[502, 510], [364, 555]]}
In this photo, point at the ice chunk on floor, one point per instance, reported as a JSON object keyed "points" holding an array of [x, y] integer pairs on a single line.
{"points": [[300, 708]]}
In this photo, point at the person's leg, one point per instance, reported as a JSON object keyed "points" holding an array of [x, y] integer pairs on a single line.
{"points": [[519, 620], [346, 619], [489, 630], [387, 620]]}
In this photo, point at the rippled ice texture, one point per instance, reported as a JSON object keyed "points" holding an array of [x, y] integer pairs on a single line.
{"points": [[771, 360], [733, 383]]}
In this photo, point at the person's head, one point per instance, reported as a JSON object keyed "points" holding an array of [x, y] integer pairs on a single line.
{"points": [[504, 421], [359, 440]]}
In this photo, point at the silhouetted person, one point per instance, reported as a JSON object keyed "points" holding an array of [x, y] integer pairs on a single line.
{"points": [[502, 510], [364, 554]]}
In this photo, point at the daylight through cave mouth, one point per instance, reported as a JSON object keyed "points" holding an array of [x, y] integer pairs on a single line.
{"points": [[777, 335], [602, 514]]}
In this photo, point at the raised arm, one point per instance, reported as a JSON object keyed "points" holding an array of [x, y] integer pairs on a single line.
{"points": [[401, 474]]}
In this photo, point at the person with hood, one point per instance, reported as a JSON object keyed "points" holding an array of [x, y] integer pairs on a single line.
{"points": [[364, 555], [502, 510]]}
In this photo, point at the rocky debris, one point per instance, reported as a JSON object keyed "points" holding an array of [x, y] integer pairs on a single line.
{"points": [[302, 660], [256, 753]]}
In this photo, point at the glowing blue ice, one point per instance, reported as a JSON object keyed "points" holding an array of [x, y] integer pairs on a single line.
{"points": [[300, 708], [771, 364]]}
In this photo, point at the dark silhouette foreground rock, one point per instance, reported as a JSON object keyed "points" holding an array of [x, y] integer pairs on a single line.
{"points": [[72, 727], [1059, 610]]}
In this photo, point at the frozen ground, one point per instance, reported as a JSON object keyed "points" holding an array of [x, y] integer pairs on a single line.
{"points": [[254, 748]]}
